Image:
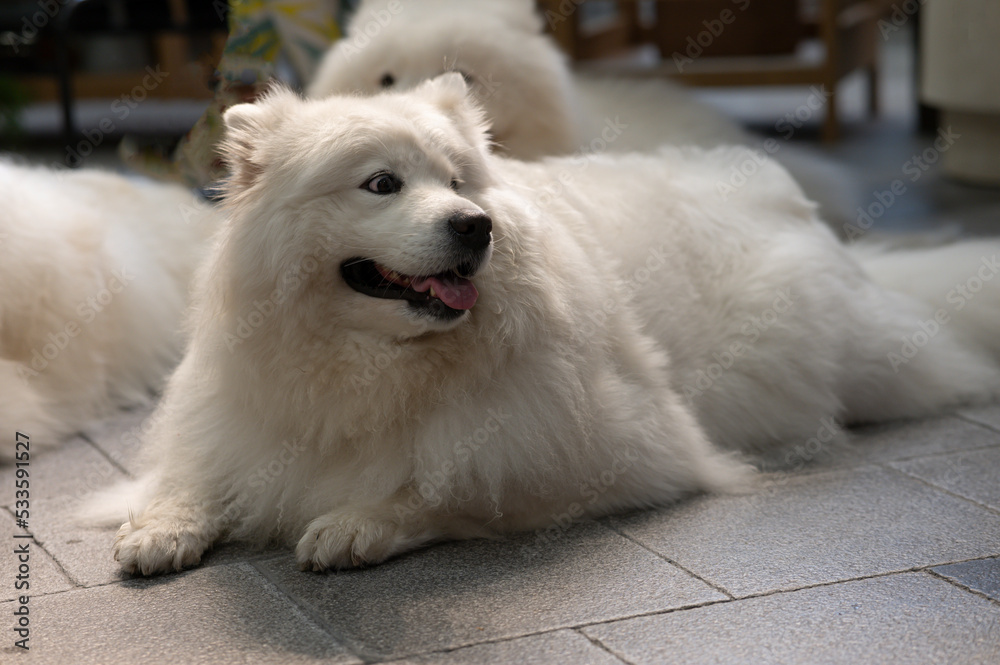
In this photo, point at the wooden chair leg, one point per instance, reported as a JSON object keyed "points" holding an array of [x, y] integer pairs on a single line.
{"points": [[562, 26], [831, 123], [873, 90]]}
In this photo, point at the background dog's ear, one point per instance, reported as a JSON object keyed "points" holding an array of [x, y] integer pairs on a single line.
{"points": [[450, 93], [246, 124]]}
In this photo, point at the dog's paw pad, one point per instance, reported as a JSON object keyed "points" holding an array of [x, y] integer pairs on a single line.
{"points": [[345, 542], [158, 547]]}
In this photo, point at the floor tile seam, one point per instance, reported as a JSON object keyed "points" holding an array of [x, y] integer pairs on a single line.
{"points": [[985, 557], [674, 563], [250, 556], [100, 585], [943, 453], [871, 465], [978, 423], [62, 569], [47, 594], [944, 490], [602, 646], [806, 471], [653, 613], [351, 646], [74, 589], [487, 642], [774, 592], [861, 578], [100, 451], [962, 586]]}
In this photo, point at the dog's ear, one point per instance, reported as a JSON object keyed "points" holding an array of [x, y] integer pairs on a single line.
{"points": [[450, 93], [246, 124]]}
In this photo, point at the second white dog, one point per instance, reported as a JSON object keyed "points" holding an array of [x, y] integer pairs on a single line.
{"points": [[94, 277], [535, 104]]}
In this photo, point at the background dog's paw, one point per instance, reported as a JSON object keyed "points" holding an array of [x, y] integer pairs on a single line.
{"points": [[340, 541], [159, 547]]}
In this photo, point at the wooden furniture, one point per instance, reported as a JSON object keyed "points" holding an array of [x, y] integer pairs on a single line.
{"points": [[736, 42], [184, 41]]}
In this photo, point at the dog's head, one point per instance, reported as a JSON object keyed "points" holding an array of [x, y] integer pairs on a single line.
{"points": [[515, 72], [363, 213]]}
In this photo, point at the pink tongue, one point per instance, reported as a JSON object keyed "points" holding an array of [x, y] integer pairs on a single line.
{"points": [[454, 291]]}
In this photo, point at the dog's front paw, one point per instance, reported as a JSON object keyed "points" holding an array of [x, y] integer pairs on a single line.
{"points": [[337, 540], [160, 546]]}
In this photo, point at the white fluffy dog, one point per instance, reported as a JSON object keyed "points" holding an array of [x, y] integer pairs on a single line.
{"points": [[399, 337], [94, 276], [535, 105]]}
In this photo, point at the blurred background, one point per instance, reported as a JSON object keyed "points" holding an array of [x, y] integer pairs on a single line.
{"points": [[872, 84]]}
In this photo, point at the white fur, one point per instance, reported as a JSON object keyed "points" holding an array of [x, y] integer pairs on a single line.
{"points": [[536, 105], [94, 272], [358, 428]]}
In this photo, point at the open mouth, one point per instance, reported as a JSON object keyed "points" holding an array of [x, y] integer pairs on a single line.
{"points": [[445, 295]]}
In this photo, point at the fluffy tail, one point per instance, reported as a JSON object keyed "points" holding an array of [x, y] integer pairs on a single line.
{"points": [[961, 283], [929, 339]]}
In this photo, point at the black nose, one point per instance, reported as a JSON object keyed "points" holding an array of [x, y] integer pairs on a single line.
{"points": [[472, 229]]}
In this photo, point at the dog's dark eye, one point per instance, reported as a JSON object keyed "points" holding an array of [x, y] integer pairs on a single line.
{"points": [[456, 183], [388, 81], [383, 183]]}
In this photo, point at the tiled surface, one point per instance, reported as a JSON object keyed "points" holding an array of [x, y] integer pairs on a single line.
{"points": [[912, 618], [817, 566], [972, 474], [225, 614], [886, 442], [62, 480], [67, 477], [563, 646], [900, 441], [817, 529], [986, 415], [462, 593], [42, 576], [119, 437], [982, 575]]}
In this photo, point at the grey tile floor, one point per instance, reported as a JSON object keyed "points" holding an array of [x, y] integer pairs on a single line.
{"points": [[882, 549]]}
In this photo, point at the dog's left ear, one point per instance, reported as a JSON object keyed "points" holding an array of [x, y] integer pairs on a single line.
{"points": [[450, 93]]}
